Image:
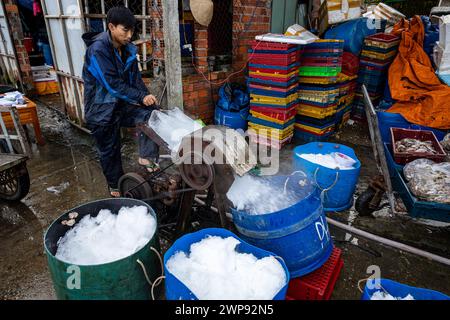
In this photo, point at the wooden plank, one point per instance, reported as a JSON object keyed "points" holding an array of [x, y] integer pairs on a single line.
{"points": [[10, 160], [172, 54]]}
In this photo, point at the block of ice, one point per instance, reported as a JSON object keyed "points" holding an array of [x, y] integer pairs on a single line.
{"points": [[172, 125], [214, 270], [334, 160], [107, 237], [258, 195], [381, 295]]}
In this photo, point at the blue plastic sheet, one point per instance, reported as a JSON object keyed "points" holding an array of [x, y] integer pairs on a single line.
{"points": [[431, 36], [233, 97], [354, 32]]}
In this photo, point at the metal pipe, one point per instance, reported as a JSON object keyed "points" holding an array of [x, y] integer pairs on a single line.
{"points": [[388, 242], [370, 236]]}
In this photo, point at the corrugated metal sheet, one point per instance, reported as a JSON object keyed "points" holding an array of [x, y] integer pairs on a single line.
{"points": [[65, 26], [8, 61]]}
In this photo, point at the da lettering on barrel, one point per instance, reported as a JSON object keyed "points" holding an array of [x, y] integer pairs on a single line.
{"points": [[74, 280], [322, 230]]}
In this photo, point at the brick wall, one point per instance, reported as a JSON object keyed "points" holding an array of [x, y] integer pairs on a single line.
{"points": [[250, 18], [17, 34]]}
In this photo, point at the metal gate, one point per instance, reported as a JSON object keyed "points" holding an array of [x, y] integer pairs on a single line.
{"points": [[66, 21], [10, 72]]}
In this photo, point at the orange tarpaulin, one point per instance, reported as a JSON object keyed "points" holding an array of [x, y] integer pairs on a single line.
{"points": [[421, 98]]}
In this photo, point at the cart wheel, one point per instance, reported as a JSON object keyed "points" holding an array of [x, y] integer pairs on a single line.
{"points": [[363, 202], [13, 187], [132, 185]]}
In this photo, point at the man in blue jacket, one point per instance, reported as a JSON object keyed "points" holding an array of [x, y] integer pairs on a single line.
{"points": [[115, 95]]}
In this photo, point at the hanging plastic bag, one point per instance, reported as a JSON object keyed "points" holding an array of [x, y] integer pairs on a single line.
{"points": [[233, 97]]}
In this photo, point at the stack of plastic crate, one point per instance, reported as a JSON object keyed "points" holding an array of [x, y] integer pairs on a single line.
{"points": [[378, 52], [321, 85], [273, 85]]}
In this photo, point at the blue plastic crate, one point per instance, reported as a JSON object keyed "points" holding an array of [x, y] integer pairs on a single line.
{"points": [[265, 66], [416, 208], [272, 93], [387, 120], [286, 84], [264, 105], [304, 136]]}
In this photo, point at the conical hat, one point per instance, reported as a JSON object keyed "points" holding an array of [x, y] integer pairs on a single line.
{"points": [[202, 10]]}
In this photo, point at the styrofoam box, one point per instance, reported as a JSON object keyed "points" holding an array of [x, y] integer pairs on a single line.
{"points": [[444, 31]]}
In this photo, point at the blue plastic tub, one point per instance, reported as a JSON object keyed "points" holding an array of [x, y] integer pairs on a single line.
{"points": [[232, 119], [176, 290], [340, 196], [399, 290], [299, 234]]}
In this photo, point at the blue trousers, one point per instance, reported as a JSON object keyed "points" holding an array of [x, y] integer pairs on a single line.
{"points": [[107, 139]]}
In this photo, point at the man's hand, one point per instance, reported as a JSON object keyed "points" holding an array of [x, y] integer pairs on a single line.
{"points": [[149, 100]]}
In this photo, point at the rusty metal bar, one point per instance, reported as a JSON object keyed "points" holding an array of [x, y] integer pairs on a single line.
{"points": [[144, 35], [86, 10], [103, 16], [62, 16], [104, 13], [7, 55], [67, 75]]}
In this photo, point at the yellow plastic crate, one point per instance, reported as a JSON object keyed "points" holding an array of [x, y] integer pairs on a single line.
{"points": [[377, 55], [274, 75], [274, 100], [316, 112], [271, 132], [341, 77], [313, 129], [46, 87]]}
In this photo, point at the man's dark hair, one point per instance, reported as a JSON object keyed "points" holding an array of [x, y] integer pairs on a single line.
{"points": [[121, 15]]}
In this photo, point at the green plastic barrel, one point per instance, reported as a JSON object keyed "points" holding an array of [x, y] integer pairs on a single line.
{"points": [[123, 279]]}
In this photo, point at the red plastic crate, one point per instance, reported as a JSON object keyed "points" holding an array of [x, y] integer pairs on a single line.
{"points": [[273, 59], [383, 37], [276, 46], [318, 285], [350, 64], [398, 134], [282, 116], [321, 61]]}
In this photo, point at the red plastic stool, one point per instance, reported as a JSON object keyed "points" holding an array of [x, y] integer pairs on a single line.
{"points": [[319, 284]]}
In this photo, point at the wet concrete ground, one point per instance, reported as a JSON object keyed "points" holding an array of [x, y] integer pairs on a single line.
{"points": [[65, 173]]}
